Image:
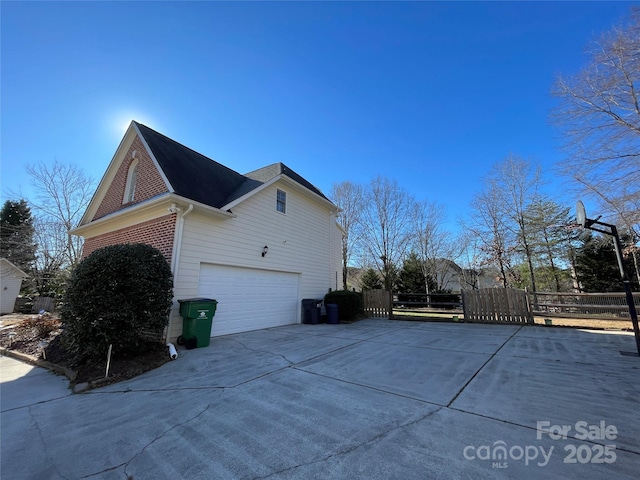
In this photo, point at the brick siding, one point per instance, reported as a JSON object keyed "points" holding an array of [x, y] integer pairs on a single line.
{"points": [[149, 182], [158, 233]]}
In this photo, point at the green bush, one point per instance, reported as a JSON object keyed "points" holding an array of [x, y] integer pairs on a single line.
{"points": [[117, 295], [349, 303]]}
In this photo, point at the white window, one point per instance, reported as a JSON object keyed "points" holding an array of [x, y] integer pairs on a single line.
{"points": [[130, 187], [281, 201]]}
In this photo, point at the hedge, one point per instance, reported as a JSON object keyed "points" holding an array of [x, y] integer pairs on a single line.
{"points": [[349, 303], [118, 295]]}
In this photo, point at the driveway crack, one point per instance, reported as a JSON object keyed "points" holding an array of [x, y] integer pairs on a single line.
{"points": [[491, 357], [264, 351], [353, 448], [151, 442], [44, 443], [158, 437]]}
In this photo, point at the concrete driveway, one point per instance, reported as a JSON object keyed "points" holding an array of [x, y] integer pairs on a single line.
{"points": [[376, 399]]}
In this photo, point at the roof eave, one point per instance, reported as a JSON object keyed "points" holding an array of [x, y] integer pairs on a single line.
{"points": [[173, 203], [319, 198], [290, 181]]}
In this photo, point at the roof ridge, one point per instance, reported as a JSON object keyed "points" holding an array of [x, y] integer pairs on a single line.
{"points": [[185, 169], [184, 146]]}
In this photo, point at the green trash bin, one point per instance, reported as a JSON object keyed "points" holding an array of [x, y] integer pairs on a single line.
{"points": [[197, 315]]}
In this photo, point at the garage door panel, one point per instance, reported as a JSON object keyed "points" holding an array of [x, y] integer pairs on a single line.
{"points": [[249, 299]]}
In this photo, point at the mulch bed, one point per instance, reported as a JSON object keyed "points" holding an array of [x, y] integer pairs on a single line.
{"points": [[27, 336]]}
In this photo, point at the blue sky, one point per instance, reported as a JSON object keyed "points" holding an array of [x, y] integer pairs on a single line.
{"points": [[430, 94]]}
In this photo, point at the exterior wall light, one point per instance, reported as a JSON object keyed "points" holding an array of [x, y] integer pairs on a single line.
{"points": [[265, 250]]}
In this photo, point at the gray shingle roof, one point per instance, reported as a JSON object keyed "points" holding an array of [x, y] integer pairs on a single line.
{"points": [[267, 173], [204, 180]]}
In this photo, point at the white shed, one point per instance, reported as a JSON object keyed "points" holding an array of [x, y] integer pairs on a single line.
{"points": [[10, 282]]}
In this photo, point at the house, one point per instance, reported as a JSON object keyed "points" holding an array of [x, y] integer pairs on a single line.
{"points": [[472, 279], [258, 242], [451, 277], [11, 281]]}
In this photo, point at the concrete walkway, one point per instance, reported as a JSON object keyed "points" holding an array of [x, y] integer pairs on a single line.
{"points": [[376, 399]]}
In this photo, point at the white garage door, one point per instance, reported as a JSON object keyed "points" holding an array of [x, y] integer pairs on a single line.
{"points": [[249, 299]]}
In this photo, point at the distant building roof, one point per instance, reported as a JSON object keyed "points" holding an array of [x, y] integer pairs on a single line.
{"points": [[16, 271]]}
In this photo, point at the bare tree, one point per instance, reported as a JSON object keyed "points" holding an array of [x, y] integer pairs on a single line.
{"points": [[387, 225], [434, 246], [49, 271], [517, 181], [349, 198], [471, 259], [489, 223], [599, 115], [63, 192]]}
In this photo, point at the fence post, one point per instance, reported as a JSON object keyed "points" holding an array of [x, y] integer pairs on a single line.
{"points": [[464, 305]]}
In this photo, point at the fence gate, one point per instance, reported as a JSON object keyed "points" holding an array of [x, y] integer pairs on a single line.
{"points": [[496, 305], [377, 303]]}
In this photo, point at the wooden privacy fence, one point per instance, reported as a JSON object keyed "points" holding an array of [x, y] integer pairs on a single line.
{"points": [[35, 305], [583, 305], [496, 305], [377, 303]]}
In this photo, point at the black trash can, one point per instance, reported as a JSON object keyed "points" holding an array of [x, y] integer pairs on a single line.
{"points": [[332, 313], [311, 311]]}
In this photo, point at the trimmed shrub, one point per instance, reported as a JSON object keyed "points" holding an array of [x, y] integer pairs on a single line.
{"points": [[119, 295], [349, 303]]}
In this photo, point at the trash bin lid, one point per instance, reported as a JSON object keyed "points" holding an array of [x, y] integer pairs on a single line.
{"points": [[197, 300]]}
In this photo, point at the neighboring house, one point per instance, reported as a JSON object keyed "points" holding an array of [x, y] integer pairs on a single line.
{"points": [[450, 276], [11, 280], [471, 279], [447, 274], [258, 243]]}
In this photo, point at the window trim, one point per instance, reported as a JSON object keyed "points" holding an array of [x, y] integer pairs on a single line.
{"points": [[130, 186], [280, 202]]}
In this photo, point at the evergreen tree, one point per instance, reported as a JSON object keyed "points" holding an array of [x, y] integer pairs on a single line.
{"points": [[597, 266], [411, 278], [549, 241], [16, 234], [370, 280]]}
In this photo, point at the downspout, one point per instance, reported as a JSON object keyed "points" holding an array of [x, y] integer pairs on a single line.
{"points": [[175, 257], [177, 244], [331, 265]]}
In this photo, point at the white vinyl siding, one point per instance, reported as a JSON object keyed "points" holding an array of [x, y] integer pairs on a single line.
{"points": [[299, 242], [336, 254], [10, 291]]}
